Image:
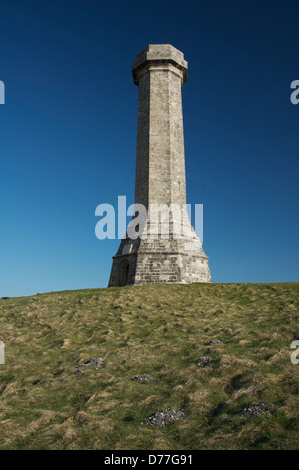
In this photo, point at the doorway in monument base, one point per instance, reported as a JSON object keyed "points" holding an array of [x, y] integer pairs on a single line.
{"points": [[123, 273]]}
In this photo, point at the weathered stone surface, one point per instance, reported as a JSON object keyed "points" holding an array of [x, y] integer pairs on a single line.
{"points": [[142, 378], [160, 71], [214, 341], [203, 361], [95, 362], [257, 410], [163, 418]]}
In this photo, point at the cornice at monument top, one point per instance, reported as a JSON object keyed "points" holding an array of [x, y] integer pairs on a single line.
{"points": [[159, 54]]}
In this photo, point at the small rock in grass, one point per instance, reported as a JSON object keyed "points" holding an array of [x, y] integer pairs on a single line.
{"points": [[214, 341], [163, 418], [95, 363], [142, 378], [218, 312], [257, 410], [203, 360], [220, 408]]}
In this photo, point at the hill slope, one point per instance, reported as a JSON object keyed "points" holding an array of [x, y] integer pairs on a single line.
{"points": [[159, 330]]}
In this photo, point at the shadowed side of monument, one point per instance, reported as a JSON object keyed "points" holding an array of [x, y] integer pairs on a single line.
{"points": [[160, 71]]}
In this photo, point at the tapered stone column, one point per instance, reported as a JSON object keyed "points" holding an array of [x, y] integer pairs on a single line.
{"points": [[160, 71]]}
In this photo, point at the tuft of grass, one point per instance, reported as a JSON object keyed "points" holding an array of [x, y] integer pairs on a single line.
{"points": [[159, 330]]}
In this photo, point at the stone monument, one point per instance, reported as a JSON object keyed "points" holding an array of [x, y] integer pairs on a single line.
{"points": [[160, 71]]}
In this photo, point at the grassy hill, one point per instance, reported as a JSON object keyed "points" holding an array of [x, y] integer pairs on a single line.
{"points": [[159, 330]]}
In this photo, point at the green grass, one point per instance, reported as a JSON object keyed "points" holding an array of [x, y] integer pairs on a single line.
{"points": [[158, 330]]}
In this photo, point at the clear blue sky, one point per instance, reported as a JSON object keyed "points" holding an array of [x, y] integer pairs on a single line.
{"points": [[68, 133]]}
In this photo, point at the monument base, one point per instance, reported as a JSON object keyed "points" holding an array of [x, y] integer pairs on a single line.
{"points": [[152, 261]]}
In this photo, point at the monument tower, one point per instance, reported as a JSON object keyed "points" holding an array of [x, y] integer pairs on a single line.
{"points": [[160, 71]]}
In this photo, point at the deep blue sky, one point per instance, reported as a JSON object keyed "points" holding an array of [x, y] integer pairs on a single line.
{"points": [[68, 133]]}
